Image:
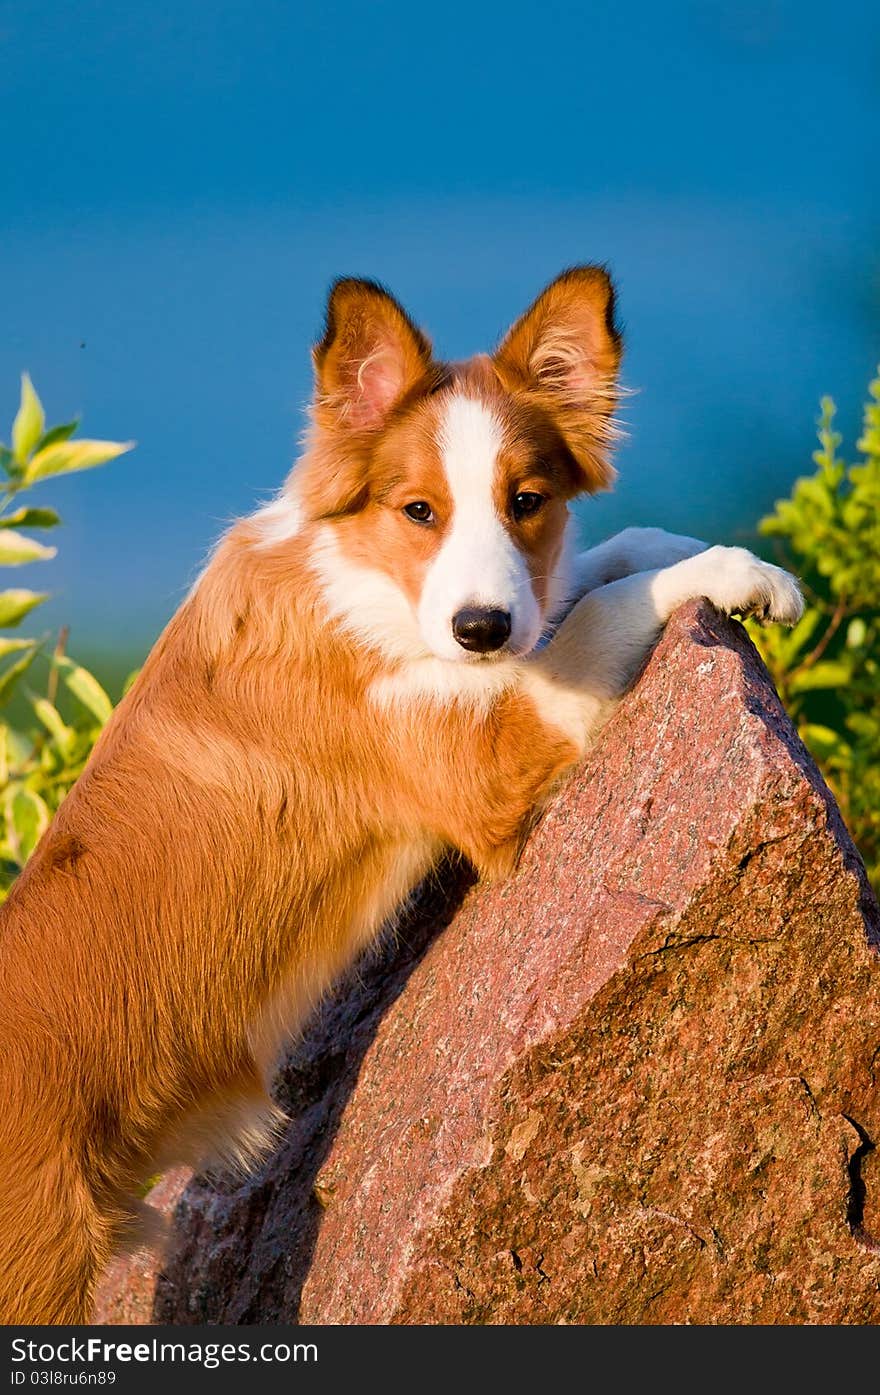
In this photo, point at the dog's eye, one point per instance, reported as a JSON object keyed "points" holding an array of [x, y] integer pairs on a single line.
{"points": [[419, 512], [527, 503]]}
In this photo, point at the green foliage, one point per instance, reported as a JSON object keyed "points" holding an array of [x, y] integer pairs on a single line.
{"points": [[827, 669], [38, 764]]}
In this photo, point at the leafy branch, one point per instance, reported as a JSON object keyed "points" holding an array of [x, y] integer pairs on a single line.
{"points": [[827, 669], [39, 765]]}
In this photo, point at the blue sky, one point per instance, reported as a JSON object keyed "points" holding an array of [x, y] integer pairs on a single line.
{"points": [[182, 181]]}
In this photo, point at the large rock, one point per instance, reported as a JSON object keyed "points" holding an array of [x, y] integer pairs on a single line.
{"points": [[638, 1082]]}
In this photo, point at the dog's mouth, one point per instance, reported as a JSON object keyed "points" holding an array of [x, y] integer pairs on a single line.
{"points": [[496, 656]]}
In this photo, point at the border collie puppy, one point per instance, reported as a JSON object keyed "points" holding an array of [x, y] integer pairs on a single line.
{"points": [[354, 685]]}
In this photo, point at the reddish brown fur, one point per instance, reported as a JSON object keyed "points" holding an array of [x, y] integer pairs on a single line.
{"points": [[246, 822], [404, 465], [561, 358]]}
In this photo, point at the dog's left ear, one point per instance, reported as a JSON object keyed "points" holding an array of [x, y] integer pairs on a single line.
{"points": [[565, 352]]}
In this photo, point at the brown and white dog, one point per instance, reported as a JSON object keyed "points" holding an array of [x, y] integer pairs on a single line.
{"points": [[354, 684]]}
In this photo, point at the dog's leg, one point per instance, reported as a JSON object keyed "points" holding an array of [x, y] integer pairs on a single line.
{"points": [[633, 550], [55, 1244], [601, 644]]}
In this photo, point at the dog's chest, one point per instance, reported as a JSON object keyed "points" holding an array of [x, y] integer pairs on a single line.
{"points": [[377, 885]]}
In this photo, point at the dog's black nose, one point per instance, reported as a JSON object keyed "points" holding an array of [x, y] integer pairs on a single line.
{"points": [[481, 630]]}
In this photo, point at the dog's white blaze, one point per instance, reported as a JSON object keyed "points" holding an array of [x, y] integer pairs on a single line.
{"points": [[478, 563]]}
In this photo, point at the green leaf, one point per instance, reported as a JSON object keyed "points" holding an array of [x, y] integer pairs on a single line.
{"points": [[10, 850], [30, 818], [58, 433], [30, 518], [12, 646], [864, 725], [821, 740], [19, 748], [17, 603], [856, 633], [63, 735], [29, 424], [831, 673], [7, 460], [16, 548], [13, 673], [793, 642], [85, 688], [67, 456]]}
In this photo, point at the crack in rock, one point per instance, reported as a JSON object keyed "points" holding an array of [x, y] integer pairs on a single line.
{"points": [[855, 1201]]}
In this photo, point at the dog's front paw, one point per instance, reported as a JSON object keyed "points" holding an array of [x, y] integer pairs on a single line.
{"points": [[735, 580]]}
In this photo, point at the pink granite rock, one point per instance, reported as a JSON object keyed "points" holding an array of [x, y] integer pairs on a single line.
{"points": [[125, 1294], [637, 1083]]}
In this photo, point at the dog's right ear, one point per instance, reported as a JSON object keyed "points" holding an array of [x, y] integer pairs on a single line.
{"points": [[370, 358]]}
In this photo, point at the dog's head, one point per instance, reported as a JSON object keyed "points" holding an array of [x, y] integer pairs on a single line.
{"points": [[442, 490]]}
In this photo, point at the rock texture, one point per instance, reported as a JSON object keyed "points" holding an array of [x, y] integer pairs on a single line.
{"points": [[129, 1284], [638, 1083]]}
